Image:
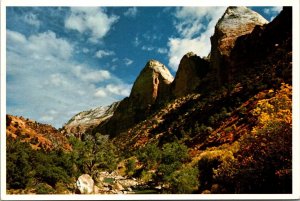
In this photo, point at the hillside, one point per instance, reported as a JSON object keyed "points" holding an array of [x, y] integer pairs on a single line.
{"points": [[223, 124], [39, 136]]}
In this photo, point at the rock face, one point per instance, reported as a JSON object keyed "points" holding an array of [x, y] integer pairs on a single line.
{"points": [[85, 121], [152, 83], [188, 77], [235, 22], [270, 44], [151, 87], [85, 184]]}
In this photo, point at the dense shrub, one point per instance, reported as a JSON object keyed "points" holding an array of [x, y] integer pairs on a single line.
{"points": [[263, 163]]}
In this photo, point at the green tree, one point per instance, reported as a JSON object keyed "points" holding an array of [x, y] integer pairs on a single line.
{"points": [[185, 180], [18, 167], [173, 155], [96, 152], [150, 155]]}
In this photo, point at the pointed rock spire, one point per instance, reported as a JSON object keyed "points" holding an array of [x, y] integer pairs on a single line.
{"points": [[153, 79]]}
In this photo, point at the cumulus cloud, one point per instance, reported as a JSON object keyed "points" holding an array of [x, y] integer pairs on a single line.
{"points": [[103, 53], [92, 20], [128, 61], [86, 74], [43, 45], [115, 89], [32, 19], [195, 25], [45, 83], [131, 12]]}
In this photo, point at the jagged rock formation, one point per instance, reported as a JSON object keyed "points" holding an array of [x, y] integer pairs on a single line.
{"points": [[253, 69], [235, 22], [85, 121], [37, 134], [152, 84], [188, 77], [151, 87]]}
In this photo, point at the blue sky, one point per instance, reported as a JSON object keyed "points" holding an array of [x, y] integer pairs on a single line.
{"points": [[63, 60]]}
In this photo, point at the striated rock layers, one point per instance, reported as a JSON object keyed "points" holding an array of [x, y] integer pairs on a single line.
{"points": [[235, 22], [85, 121], [188, 77]]}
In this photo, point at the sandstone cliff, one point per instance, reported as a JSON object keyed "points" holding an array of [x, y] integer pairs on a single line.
{"points": [[235, 22], [188, 77], [152, 84], [150, 88]]}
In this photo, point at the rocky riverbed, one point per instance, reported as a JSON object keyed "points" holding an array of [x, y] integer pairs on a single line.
{"points": [[112, 183]]}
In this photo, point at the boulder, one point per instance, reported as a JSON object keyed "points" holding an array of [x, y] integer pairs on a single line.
{"points": [[235, 22], [85, 184]]}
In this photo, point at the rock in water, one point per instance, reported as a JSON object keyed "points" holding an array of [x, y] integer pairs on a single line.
{"points": [[235, 22], [85, 184], [188, 77]]}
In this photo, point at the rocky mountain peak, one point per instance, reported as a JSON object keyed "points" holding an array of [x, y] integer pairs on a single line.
{"points": [[188, 77], [159, 68], [153, 79], [235, 17], [235, 22]]}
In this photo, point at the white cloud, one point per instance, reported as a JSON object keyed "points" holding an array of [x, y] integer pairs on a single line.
{"points": [[162, 50], [128, 61], [86, 74], [32, 19], [272, 11], [115, 89], [42, 77], [131, 12], [102, 53], [43, 45], [92, 20], [275, 9], [123, 90], [100, 93], [147, 48], [114, 59], [195, 26]]}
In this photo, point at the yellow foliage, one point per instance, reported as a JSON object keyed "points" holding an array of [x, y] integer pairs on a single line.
{"points": [[275, 109]]}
